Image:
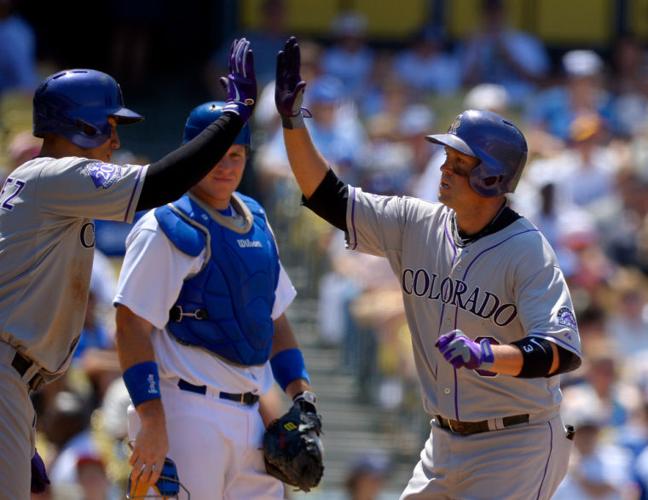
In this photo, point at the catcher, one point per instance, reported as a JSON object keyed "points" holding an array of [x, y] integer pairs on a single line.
{"points": [[201, 330]]}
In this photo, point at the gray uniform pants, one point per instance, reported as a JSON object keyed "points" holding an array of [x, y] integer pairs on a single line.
{"points": [[16, 430], [521, 462]]}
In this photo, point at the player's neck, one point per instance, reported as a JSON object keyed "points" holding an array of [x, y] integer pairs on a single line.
{"points": [[471, 220], [57, 147], [215, 203], [54, 151]]}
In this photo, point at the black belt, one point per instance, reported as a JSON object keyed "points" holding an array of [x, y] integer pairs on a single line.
{"points": [[246, 398], [21, 364], [467, 428]]}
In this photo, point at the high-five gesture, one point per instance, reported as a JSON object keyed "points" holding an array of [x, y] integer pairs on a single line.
{"points": [[289, 87], [240, 83]]}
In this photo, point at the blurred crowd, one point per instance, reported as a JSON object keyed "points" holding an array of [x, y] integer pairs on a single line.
{"points": [[585, 186]]}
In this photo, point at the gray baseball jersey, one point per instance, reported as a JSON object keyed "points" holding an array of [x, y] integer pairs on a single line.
{"points": [[506, 285], [47, 246]]}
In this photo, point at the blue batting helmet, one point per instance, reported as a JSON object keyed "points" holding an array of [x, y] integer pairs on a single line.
{"points": [[202, 116], [77, 103], [496, 142]]}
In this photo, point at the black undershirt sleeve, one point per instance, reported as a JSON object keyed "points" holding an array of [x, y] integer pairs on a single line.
{"points": [[568, 361], [170, 177], [329, 200]]}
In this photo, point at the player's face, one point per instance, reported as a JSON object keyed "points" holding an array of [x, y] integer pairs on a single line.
{"points": [[217, 186], [104, 152], [454, 188]]}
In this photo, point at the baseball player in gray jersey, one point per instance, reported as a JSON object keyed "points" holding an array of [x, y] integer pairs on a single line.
{"points": [[47, 235], [490, 314]]}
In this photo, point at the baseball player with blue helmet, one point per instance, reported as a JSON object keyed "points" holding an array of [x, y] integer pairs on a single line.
{"points": [[490, 314], [201, 330], [47, 207]]}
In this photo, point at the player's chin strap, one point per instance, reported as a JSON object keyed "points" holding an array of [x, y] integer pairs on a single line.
{"points": [[167, 486]]}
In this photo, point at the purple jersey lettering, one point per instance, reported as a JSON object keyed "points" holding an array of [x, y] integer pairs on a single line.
{"points": [[11, 189]]}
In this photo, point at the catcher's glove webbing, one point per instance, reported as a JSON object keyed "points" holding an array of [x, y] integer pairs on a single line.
{"points": [[292, 448]]}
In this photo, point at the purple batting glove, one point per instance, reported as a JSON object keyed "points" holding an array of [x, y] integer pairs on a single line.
{"points": [[240, 83], [39, 479], [289, 86], [460, 351]]}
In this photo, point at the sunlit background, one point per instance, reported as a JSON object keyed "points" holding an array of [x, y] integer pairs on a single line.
{"points": [[573, 74]]}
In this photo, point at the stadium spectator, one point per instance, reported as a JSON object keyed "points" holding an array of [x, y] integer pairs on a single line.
{"points": [[427, 67], [350, 59], [18, 57], [496, 53], [582, 93]]}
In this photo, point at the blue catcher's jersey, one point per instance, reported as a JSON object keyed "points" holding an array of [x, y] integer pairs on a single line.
{"points": [[225, 308]]}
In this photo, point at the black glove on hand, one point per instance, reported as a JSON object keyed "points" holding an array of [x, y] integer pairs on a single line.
{"points": [[289, 87], [292, 448]]}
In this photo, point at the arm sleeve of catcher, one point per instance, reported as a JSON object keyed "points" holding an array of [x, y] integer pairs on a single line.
{"points": [[170, 177], [329, 200], [537, 358]]}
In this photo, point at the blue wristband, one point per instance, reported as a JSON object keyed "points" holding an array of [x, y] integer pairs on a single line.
{"points": [[287, 366], [143, 382]]}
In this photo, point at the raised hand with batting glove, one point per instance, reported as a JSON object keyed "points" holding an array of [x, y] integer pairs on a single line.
{"points": [[289, 86], [292, 447], [460, 351], [240, 82]]}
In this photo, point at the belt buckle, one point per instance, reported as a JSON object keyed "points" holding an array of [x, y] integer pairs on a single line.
{"points": [[458, 428], [444, 423], [453, 429], [242, 398]]}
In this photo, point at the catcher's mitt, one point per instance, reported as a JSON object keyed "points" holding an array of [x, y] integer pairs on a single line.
{"points": [[292, 448]]}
